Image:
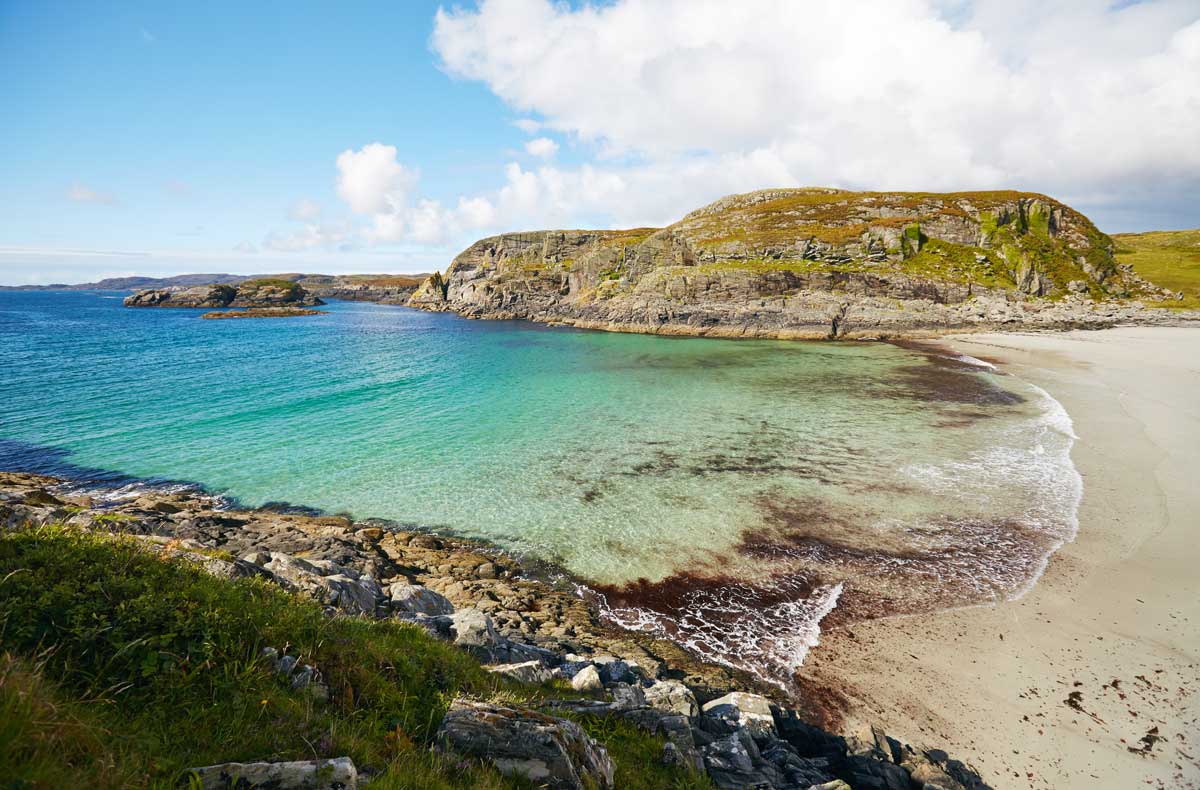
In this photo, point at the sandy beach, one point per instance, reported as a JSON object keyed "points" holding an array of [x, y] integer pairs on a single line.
{"points": [[1091, 679]]}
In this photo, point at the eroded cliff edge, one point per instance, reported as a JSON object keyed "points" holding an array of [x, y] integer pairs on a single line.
{"points": [[810, 263]]}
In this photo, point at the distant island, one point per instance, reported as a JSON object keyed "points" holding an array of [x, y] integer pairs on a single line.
{"points": [[383, 288]]}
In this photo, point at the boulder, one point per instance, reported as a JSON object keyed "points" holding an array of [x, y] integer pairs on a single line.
{"points": [[614, 670], [671, 695], [871, 741], [873, 774], [416, 599], [733, 763], [336, 774], [525, 672], [751, 711], [473, 631], [333, 585], [675, 728], [625, 696], [928, 773], [547, 751], [586, 679]]}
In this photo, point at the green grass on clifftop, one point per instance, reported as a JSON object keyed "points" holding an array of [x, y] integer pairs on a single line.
{"points": [[1167, 258], [119, 668]]}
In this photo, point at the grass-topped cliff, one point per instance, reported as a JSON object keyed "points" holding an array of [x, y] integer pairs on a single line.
{"points": [[1167, 258], [799, 261]]}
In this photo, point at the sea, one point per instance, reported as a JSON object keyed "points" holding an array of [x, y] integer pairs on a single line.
{"points": [[731, 495]]}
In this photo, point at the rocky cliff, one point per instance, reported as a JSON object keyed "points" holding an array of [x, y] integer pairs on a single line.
{"points": [[251, 293], [806, 263]]}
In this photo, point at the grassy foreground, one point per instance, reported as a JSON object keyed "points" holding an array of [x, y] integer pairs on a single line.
{"points": [[119, 668], [1167, 258]]}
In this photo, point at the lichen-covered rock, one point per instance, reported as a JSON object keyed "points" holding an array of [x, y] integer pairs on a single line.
{"points": [[548, 751], [671, 695], [336, 774]]}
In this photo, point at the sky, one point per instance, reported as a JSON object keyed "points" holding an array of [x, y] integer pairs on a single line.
{"points": [[162, 138]]}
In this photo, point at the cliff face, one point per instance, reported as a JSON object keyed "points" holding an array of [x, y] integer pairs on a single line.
{"points": [[801, 262]]}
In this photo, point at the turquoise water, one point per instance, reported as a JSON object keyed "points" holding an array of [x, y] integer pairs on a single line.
{"points": [[766, 482]]}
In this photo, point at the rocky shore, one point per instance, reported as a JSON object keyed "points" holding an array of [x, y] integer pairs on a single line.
{"points": [[517, 621], [813, 264]]}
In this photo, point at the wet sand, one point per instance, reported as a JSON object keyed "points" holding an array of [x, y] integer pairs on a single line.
{"points": [[1092, 679]]}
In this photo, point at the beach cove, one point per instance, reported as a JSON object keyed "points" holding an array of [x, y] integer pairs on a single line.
{"points": [[1090, 679]]}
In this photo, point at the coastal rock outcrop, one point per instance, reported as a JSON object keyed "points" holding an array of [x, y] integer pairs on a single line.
{"points": [[551, 752], [807, 263], [262, 293]]}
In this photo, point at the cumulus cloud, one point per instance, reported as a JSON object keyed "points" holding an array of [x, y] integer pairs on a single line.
{"points": [[527, 125], [700, 97], [376, 185], [542, 147], [371, 180], [79, 193]]}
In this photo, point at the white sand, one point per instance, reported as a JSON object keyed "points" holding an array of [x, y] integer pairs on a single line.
{"points": [[990, 684]]}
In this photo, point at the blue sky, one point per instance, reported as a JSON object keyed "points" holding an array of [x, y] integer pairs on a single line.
{"points": [[313, 136]]}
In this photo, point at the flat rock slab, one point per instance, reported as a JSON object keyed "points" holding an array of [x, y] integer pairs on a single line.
{"points": [[335, 774]]}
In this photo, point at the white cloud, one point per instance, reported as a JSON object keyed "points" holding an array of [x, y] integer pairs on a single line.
{"points": [[527, 125], [542, 147], [376, 185], [371, 180], [304, 210], [246, 247], [82, 194], [702, 97]]}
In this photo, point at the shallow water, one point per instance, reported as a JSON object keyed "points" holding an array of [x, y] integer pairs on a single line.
{"points": [[750, 485]]}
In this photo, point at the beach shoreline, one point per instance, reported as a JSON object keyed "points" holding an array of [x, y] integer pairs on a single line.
{"points": [[1089, 680]]}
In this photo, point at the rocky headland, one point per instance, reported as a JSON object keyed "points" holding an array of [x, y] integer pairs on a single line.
{"points": [[379, 288], [518, 622], [251, 293], [813, 263]]}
